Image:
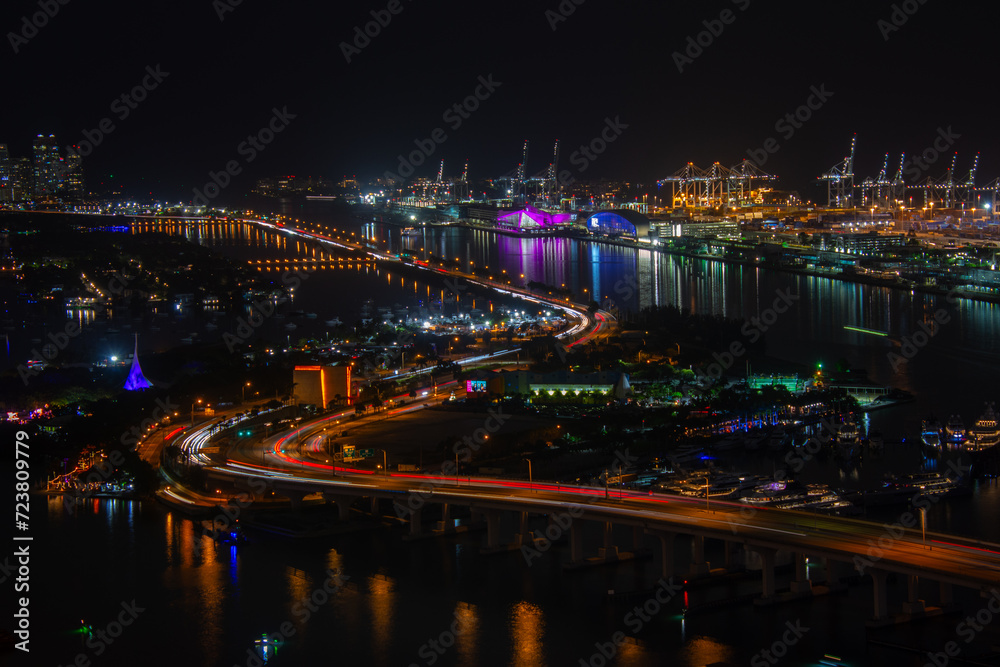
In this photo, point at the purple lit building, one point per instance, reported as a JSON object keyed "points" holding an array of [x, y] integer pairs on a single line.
{"points": [[530, 219]]}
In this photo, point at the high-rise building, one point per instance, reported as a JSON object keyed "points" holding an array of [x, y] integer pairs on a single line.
{"points": [[72, 182], [6, 175], [48, 166], [24, 179]]}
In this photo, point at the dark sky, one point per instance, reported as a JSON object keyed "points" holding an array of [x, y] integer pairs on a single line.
{"points": [[607, 59]]}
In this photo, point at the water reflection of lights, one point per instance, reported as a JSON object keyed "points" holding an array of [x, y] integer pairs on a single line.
{"points": [[382, 601], [527, 626]]}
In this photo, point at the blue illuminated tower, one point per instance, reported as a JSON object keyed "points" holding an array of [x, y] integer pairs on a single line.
{"points": [[136, 380]]}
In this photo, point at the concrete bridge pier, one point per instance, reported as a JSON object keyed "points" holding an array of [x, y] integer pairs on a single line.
{"points": [[767, 555], [374, 506], [295, 497], [415, 523], [881, 595], [576, 542], [638, 538], [913, 604], [801, 584], [832, 572], [666, 553], [524, 534], [492, 529], [699, 566], [946, 595], [609, 551], [343, 504], [730, 549], [445, 525]]}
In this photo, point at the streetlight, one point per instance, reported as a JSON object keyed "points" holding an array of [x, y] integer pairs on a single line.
{"points": [[706, 494], [244, 390], [923, 525], [530, 482], [192, 412]]}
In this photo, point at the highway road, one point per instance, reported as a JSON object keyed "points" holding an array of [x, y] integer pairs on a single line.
{"points": [[890, 547]]}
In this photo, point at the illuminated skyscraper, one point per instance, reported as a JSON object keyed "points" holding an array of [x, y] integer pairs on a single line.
{"points": [[48, 166], [6, 175], [72, 180], [24, 178]]}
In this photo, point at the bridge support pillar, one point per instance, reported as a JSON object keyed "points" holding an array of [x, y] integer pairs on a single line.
{"points": [[667, 554], [295, 497], [832, 570], [576, 542], [374, 506], [445, 523], [801, 585], [492, 529], [766, 573], [881, 594], [524, 535], [415, 525], [913, 604], [638, 537], [730, 551], [947, 595], [343, 505], [699, 566], [609, 551]]}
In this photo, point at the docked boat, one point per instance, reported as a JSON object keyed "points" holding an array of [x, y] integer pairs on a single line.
{"points": [[954, 430], [333, 322], [905, 488], [930, 433], [290, 326], [985, 434], [411, 231], [686, 455], [848, 441]]}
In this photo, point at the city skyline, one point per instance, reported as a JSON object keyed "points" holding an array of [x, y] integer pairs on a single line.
{"points": [[356, 112]]}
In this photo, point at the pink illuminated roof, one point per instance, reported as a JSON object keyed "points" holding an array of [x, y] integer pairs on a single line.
{"points": [[531, 216]]}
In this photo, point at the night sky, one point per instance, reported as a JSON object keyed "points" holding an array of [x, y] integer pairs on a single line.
{"points": [[894, 87]]}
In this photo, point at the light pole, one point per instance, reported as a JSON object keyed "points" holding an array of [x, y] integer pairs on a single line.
{"points": [[706, 494], [192, 412], [923, 525], [531, 483], [243, 389]]}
